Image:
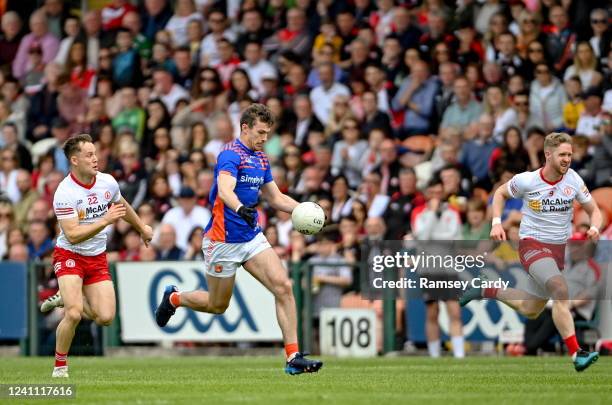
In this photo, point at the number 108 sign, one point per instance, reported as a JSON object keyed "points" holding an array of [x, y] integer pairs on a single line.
{"points": [[347, 332]]}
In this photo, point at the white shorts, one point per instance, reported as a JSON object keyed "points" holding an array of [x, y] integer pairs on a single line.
{"points": [[222, 259]]}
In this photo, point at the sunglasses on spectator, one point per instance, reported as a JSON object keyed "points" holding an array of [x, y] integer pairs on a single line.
{"points": [[598, 21]]}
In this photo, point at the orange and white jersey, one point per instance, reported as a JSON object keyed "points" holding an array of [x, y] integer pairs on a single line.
{"points": [[547, 207], [89, 202]]}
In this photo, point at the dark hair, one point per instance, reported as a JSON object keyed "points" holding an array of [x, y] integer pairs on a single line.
{"points": [[257, 112], [73, 145], [10, 124]]}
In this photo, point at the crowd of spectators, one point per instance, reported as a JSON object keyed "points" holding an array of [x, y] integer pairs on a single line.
{"points": [[385, 110]]}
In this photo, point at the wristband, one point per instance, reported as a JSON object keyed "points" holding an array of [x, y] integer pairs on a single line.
{"points": [[496, 221], [594, 228]]}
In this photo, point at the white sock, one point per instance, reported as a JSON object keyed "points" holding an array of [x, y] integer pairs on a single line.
{"points": [[458, 348], [433, 348], [574, 356]]}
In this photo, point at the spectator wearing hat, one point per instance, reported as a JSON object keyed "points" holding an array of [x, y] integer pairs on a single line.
{"points": [[40, 35], [186, 216]]}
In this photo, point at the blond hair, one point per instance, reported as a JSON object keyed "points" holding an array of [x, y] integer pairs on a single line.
{"points": [[553, 140]]}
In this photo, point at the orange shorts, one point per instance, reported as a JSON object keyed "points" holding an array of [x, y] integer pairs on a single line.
{"points": [[92, 269]]}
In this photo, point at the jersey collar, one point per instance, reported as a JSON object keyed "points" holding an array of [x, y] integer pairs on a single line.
{"points": [[87, 186], [552, 183], [243, 146]]}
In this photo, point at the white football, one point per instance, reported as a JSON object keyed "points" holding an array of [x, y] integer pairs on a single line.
{"points": [[308, 218]]}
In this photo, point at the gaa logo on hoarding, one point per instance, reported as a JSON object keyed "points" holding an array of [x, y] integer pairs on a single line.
{"points": [[168, 276]]}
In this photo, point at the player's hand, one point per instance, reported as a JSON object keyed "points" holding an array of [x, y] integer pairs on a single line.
{"points": [[115, 211], [248, 214], [498, 233], [146, 235], [593, 234]]}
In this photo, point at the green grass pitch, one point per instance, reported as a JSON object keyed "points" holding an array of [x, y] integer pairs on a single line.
{"points": [[380, 381]]}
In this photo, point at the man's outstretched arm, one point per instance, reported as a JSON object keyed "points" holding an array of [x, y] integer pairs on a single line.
{"points": [[277, 199]]}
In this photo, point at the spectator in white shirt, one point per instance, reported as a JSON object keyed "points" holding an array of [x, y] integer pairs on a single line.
{"points": [[186, 216], [168, 91], [256, 66], [209, 53], [323, 96], [184, 12]]}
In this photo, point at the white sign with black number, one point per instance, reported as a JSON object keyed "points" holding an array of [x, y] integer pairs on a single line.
{"points": [[348, 332]]}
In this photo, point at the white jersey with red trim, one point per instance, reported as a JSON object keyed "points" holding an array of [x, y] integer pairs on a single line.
{"points": [[547, 207], [89, 202]]}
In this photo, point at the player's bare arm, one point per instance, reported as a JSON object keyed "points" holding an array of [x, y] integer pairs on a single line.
{"points": [[277, 199], [77, 233], [145, 231], [594, 213], [227, 184], [499, 200]]}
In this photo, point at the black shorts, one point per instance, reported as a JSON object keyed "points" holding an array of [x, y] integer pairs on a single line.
{"points": [[431, 295]]}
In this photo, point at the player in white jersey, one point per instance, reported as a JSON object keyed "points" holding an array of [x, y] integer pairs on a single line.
{"points": [[548, 196], [85, 203]]}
